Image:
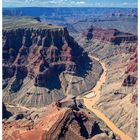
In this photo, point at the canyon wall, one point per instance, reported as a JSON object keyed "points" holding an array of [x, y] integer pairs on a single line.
{"points": [[110, 35], [44, 61]]}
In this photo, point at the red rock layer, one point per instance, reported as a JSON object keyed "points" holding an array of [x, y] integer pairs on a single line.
{"points": [[131, 73], [132, 68], [110, 35], [40, 54], [55, 123]]}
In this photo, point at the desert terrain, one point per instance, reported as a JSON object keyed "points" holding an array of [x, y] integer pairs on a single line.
{"points": [[70, 79]]}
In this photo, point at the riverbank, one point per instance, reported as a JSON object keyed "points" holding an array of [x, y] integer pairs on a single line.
{"points": [[90, 102]]}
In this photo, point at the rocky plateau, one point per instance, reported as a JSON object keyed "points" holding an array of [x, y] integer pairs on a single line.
{"points": [[44, 65]]}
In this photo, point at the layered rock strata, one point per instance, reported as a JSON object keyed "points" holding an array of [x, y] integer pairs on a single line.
{"points": [[37, 62], [110, 35], [118, 99]]}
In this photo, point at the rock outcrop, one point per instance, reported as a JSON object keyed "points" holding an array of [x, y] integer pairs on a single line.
{"points": [[110, 35], [39, 53], [132, 68], [131, 74], [37, 61], [130, 80], [67, 124]]}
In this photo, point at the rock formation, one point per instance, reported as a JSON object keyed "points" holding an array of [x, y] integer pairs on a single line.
{"points": [[132, 68], [130, 80], [43, 58], [110, 35], [131, 74], [45, 52], [67, 124], [133, 62]]}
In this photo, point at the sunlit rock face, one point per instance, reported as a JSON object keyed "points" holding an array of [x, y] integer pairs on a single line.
{"points": [[44, 65], [110, 35], [61, 120], [40, 54]]}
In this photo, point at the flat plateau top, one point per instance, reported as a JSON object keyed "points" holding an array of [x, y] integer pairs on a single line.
{"points": [[15, 22]]}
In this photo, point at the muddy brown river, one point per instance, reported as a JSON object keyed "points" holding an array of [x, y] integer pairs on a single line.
{"points": [[89, 102]]}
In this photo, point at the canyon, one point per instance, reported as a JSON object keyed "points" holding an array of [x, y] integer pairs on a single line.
{"points": [[47, 59], [120, 87], [63, 85]]}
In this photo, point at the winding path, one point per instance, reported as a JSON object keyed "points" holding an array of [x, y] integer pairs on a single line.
{"points": [[93, 96]]}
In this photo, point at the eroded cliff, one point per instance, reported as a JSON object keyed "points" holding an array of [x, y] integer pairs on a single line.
{"points": [[44, 65], [110, 35]]}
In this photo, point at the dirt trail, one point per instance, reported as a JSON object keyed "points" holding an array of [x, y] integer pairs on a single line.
{"points": [[93, 96]]}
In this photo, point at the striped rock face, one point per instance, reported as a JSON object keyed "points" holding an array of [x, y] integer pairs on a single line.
{"points": [[113, 36], [37, 62]]}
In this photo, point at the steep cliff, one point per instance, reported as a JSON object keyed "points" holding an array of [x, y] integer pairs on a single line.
{"points": [[40, 54], [110, 35], [44, 65]]}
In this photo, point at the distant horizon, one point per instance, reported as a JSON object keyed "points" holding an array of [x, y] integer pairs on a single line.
{"points": [[70, 3], [68, 7]]}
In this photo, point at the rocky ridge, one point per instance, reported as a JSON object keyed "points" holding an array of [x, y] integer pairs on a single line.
{"points": [[110, 35], [69, 122], [47, 59]]}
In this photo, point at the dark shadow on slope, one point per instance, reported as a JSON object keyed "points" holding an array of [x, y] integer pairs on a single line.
{"points": [[5, 113], [95, 129], [83, 129], [72, 60], [83, 62]]}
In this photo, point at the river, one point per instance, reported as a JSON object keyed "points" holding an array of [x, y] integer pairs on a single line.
{"points": [[89, 102]]}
